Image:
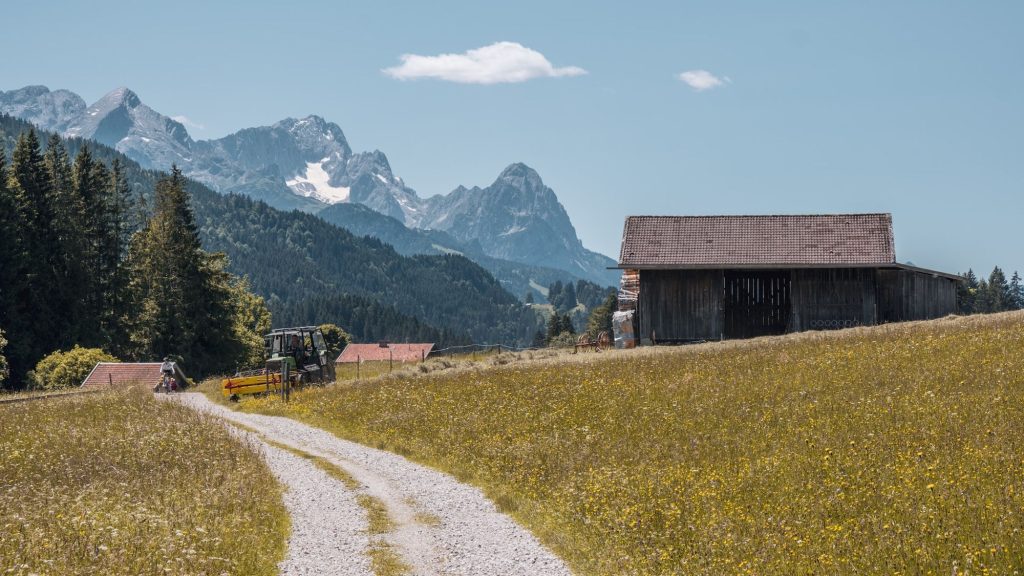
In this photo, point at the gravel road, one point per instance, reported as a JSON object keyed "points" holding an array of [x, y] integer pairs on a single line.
{"points": [[442, 526]]}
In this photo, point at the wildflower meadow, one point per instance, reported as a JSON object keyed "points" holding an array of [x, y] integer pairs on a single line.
{"points": [[894, 449]]}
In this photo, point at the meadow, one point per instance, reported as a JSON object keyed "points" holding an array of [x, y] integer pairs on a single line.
{"points": [[120, 483], [893, 449]]}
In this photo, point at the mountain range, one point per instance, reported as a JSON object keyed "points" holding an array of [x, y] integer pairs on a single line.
{"points": [[311, 271], [516, 227]]}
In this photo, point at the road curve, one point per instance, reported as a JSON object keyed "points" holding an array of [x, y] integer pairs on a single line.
{"points": [[442, 526]]}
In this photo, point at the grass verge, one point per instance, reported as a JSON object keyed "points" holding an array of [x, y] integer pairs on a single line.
{"points": [[894, 449], [118, 483]]}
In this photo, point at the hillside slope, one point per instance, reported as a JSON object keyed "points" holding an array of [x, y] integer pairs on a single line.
{"points": [[516, 277], [296, 260], [892, 449]]}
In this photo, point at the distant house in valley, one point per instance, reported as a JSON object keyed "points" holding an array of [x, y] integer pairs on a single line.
{"points": [[692, 278], [145, 374], [384, 351]]}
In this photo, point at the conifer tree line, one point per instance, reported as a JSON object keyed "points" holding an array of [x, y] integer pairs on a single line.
{"points": [[995, 294], [83, 262]]}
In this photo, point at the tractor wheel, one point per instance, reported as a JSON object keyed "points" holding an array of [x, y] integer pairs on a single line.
{"points": [[233, 398]]}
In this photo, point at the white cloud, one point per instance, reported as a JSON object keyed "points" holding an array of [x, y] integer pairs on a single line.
{"points": [[188, 123], [501, 62], [701, 80]]}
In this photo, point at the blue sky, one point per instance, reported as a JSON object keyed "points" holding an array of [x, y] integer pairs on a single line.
{"points": [[914, 108]]}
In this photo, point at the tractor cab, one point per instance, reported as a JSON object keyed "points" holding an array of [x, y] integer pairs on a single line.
{"points": [[301, 352], [304, 349]]}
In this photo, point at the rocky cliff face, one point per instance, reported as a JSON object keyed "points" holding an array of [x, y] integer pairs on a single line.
{"points": [[517, 218], [37, 104]]}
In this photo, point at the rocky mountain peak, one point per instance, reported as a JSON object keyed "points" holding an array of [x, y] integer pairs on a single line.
{"points": [[122, 96], [522, 178], [315, 133]]}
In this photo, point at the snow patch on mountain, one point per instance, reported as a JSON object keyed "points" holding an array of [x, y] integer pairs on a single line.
{"points": [[314, 183]]}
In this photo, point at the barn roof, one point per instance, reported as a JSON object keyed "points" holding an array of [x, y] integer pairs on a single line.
{"points": [[106, 373], [761, 241], [376, 352]]}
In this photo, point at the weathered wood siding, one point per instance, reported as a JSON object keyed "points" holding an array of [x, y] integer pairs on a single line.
{"points": [[830, 298], [680, 305], [907, 295], [688, 305]]}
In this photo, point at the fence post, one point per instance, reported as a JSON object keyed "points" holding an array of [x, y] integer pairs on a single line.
{"points": [[359, 362], [391, 361]]}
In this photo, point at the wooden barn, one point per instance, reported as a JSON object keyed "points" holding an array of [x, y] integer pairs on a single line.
{"points": [[692, 278]]}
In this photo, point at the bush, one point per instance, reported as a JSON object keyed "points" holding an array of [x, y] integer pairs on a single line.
{"points": [[563, 340], [66, 369]]}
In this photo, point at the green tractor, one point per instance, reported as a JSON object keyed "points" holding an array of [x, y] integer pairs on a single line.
{"points": [[300, 353]]}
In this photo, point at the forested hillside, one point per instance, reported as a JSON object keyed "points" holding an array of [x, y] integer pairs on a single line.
{"points": [[311, 271]]}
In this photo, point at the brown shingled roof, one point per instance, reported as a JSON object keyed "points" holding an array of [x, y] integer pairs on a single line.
{"points": [[376, 352], [704, 241], [105, 373]]}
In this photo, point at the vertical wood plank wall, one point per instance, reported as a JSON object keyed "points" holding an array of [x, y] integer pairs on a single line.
{"points": [[686, 305], [907, 295], [831, 298], [680, 304]]}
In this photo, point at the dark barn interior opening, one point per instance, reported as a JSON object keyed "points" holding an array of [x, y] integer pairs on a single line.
{"points": [[756, 303]]}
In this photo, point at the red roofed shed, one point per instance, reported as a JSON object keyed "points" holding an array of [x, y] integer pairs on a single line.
{"points": [[384, 351], [146, 374], [712, 277]]}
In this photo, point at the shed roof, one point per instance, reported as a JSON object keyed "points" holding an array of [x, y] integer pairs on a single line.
{"points": [[808, 240], [375, 352], [106, 373]]}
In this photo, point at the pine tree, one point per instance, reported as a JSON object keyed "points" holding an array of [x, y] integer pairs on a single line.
{"points": [[966, 293], [555, 294], [12, 266], [120, 219], [529, 297], [183, 301], [72, 294], [1016, 292], [554, 327], [1001, 298], [984, 301], [601, 317], [566, 325], [569, 297], [37, 331]]}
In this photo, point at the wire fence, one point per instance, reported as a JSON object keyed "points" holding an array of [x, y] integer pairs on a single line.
{"points": [[479, 349]]}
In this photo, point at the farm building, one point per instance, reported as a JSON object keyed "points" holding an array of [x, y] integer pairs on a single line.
{"points": [[691, 278], [384, 351], [145, 374]]}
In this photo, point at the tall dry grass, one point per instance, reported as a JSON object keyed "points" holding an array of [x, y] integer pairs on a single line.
{"points": [[897, 449], [118, 483]]}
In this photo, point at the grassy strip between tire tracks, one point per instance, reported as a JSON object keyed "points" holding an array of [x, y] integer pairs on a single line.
{"points": [[118, 483], [894, 449], [383, 559]]}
